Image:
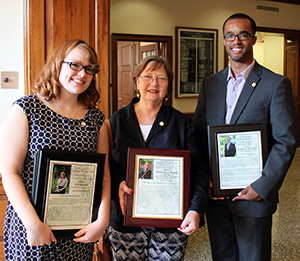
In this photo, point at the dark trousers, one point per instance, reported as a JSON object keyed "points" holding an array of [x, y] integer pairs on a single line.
{"points": [[236, 238]]}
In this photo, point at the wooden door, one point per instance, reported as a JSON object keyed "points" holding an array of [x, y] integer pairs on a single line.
{"points": [[128, 58], [291, 69]]}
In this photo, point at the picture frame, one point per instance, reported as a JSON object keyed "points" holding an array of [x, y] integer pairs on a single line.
{"points": [[63, 183], [196, 58], [237, 155], [161, 198]]}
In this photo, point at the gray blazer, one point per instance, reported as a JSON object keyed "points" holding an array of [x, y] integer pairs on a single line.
{"points": [[266, 97]]}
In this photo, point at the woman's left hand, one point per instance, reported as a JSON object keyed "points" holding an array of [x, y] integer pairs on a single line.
{"points": [[90, 233], [190, 223]]}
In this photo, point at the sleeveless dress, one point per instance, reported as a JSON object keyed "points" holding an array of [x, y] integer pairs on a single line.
{"points": [[47, 129]]}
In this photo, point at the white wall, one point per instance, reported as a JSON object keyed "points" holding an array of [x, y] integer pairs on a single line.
{"points": [[11, 50], [159, 17], [270, 52]]}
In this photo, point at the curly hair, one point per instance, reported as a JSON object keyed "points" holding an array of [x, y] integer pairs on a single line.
{"points": [[158, 62], [47, 83]]}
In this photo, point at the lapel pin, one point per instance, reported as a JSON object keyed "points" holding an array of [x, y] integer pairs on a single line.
{"points": [[161, 123], [253, 84]]}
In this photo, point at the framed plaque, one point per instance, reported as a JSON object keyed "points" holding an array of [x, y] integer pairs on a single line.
{"points": [[160, 179], [196, 58], [237, 156], [67, 189]]}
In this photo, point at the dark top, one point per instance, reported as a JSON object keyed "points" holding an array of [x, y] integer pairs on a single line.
{"points": [[171, 130], [49, 130], [230, 152]]}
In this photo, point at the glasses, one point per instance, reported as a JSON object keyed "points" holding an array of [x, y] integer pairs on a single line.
{"points": [[242, 37], [150, 79], [78, 67]]}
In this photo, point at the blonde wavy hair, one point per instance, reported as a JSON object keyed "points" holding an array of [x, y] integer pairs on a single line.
{"points": [[47, 83]]}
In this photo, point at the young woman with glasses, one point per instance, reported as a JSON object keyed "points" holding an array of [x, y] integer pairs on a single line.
{"points": [[60, 115]]}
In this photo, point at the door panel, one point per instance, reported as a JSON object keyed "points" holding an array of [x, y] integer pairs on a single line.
{"points": [[126, 64]]}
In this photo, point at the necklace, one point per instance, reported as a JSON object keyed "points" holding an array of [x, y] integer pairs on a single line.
{"points": [[63, 112]]}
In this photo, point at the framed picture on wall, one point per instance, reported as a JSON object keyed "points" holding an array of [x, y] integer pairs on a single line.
{"points": [[196, 58]]}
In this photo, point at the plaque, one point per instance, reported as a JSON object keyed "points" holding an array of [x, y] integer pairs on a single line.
{"points": [[67, 189], [237, 155], [196, 58], [160, 179]]}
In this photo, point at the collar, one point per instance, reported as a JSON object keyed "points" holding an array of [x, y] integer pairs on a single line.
{"points": [[244, 74]]}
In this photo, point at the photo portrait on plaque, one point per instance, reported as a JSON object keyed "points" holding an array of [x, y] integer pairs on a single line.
{"points": [[196, 58], [160, 179], [237, 156]]}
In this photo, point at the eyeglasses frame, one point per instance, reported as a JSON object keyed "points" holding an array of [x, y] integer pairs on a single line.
{"points": [[164, 81], [237, 36], [83, 67]]}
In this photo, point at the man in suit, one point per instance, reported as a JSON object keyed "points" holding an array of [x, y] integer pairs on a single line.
{"points": [[246, 92], [230, 149]]}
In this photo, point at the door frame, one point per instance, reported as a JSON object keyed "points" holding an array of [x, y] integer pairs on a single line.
{"points": [[135, 38]]}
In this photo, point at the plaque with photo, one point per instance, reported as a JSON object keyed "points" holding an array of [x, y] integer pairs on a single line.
{"points": [[67, 189], [237, 156], [160, 179]]}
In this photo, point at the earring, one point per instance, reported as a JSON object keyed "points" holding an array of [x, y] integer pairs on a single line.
{"points": [[138, 93], [166, 98]]}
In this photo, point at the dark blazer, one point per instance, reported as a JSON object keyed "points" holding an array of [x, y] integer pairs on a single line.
{"points": [[171, 130], [230, 152], [266, 97]]}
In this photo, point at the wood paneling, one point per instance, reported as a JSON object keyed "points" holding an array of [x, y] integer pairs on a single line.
{"points": [[49, 23], [3, 203]]}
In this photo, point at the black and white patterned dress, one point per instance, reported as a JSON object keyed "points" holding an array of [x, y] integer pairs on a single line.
{"points": [[47, 129]]}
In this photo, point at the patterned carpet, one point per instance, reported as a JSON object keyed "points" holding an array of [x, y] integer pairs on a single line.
{"points": [[286, 223]]}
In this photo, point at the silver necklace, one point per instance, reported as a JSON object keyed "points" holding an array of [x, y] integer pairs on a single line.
{"points": [[62, 112]]}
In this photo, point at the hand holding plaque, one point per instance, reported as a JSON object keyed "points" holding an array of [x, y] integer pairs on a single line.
{"points": [[237, 156], [160, 179], [63, 183]]}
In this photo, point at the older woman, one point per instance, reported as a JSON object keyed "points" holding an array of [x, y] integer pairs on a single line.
{"points": [[148, 122], [59, 115]]}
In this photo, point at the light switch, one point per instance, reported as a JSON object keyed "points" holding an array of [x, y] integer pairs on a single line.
{"points": [[9, 80]]}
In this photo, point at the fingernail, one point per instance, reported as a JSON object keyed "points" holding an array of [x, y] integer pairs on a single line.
{"points": [[131, 192], [180, 228]]}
